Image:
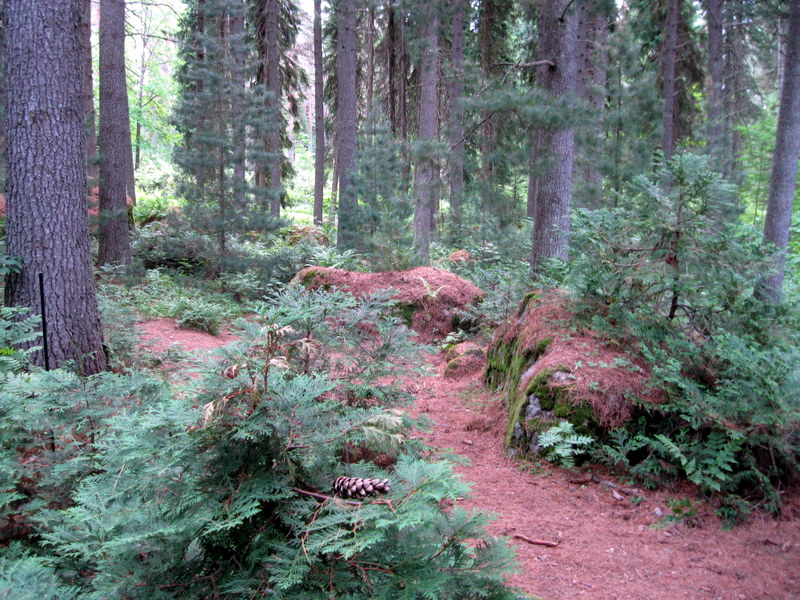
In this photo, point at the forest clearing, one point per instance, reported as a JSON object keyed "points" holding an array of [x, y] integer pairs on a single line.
{"points": [[400, 299]]}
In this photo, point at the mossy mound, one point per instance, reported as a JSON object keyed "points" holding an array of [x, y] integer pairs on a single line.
{"points": [[549, 371], [429, 300], [464, 360]]}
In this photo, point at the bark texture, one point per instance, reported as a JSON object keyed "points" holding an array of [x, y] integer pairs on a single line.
{"points": [[783, 184], [47, 223], [319, 116], [426, 172], [670, 57], [272, 61], [115, 247], [347, 120], [558, 22]]}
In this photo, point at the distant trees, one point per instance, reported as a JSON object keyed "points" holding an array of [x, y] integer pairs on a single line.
{"points": [[221, 116], [783, 185], [346, 120], [47, 223], [115, 138]]}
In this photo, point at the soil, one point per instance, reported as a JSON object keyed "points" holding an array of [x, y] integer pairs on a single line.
{"points": [[605, 544]]}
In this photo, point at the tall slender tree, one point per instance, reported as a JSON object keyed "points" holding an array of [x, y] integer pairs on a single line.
{"points": [[92, 167], [426, 171], [783, 185], [114, 247], [269, 34], [319, 116], [47, 224], [347, 121], [669, 73], [456, 129], [558, 39]]}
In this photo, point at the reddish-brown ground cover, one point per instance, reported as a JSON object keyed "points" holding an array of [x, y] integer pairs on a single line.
{"points": [[431, 296], [607, 548]]}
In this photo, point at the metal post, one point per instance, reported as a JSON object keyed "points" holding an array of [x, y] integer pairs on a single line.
{"points": [[44, 323]]}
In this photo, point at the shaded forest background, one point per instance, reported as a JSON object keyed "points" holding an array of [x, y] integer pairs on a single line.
{"points": [[187, 159]]}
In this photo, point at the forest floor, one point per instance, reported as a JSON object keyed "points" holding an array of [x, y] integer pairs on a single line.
{"points": [[604, 544]]}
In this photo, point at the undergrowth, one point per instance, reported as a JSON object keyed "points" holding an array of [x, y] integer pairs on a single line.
{"points": [[125, 486], [671, 274]]}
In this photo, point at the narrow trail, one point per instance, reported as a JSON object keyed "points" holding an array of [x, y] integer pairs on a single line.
{"points": [[607, 548]]}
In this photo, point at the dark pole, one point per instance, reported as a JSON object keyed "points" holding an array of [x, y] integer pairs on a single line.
{"points": [[44, 323]]}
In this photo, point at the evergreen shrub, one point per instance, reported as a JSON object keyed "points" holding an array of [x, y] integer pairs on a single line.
{"points": [[673, 272], [121, 486]]}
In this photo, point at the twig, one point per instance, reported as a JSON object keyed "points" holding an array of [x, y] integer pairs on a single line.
{"points": [[525, 538], [325, 497]]}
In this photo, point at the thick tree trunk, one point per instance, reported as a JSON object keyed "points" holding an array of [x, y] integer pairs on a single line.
{"points": [[714, 85], [92, 167], [426, 172], [319, 117], [47, 223], [347, 120], [558, 22], [115, 247], [456, 156], [783, 184], [670, 57]]}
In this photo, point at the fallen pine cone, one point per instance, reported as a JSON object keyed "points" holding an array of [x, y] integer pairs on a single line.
{"points": [[356, 487]]}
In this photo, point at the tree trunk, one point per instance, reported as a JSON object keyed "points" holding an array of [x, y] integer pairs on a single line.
{"points": [[456, 155], [370, 57], [592, 78], [488, 143], [425, 174], [347, 120], [714, 85], [47, 224], [239, 80], [115, 247], [558, 24], [783, 184], [92, 167], [319, 117], [670, 56], [272, 62]]}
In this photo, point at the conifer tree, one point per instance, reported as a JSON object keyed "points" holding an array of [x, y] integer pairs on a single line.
{"points": [[223, 122]]}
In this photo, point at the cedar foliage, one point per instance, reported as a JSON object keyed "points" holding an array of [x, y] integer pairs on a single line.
{"points": [[124, 486]]}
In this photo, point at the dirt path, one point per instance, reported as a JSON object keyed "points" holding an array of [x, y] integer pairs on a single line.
{"points": [[607, 548]]}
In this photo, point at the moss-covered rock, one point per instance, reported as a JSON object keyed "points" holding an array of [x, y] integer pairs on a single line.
{"points": [[547, 374]]}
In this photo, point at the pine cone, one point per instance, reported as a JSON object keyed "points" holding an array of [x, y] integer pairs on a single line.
{"points": [[356, 487]]}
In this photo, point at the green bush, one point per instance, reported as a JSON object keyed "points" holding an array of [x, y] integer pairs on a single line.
{"points": [[222, 488], [672, 272]]}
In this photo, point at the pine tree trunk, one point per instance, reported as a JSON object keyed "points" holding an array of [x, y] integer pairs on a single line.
{"points": [[425, 174], [716, 73], [456, 155], [115, 247], [92, 167], [238, 77], [558, 22], [47, 224], [272, 62], [488, 131], [347, 120], [670, 56], [778, 220], [319, 117], [592, 78]]}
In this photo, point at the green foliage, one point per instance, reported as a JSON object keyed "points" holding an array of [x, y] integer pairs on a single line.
{"points": [[17, 333], [220, 488], [562, 444], [672, 272]]}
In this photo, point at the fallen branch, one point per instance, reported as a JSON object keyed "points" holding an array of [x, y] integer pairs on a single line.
{"points": [[525, 538]]}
